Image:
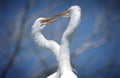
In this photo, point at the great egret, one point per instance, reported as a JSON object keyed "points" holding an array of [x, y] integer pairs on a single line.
{"points": [[37, 28], [65, 67]]}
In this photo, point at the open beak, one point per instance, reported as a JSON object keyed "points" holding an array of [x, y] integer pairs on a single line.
{"points": [[50, 20]]}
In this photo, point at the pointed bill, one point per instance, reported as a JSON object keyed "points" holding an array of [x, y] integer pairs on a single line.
{"points": [[60, 14]]}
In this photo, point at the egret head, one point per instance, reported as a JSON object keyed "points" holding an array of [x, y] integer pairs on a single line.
{"points": [[69, 11]]}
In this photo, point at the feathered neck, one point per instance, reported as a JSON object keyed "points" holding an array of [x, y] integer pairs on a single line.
{"points": [[64, 62], [43, 42]]}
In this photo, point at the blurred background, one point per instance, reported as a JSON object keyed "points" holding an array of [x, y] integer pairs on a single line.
{"points": [[95, 46]]}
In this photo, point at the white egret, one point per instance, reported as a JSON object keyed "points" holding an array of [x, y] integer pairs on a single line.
{"points": [[37, 29], [65, 67]]}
